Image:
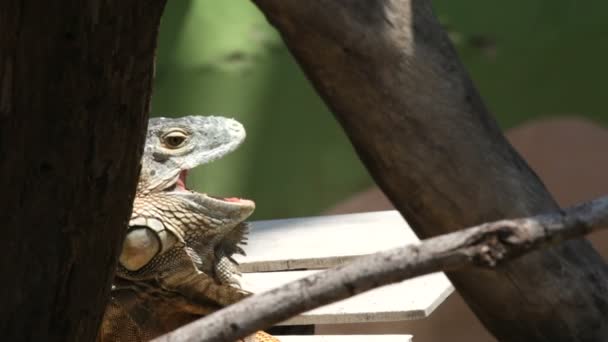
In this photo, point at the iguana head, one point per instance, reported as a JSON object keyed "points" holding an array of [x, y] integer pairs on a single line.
{"points": [[176, 145], [173, 147]]}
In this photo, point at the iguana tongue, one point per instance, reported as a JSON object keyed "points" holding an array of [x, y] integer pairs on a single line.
{"points": [[181, 181], [231, 199]]}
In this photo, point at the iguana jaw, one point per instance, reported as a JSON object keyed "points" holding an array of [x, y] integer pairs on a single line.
{"points": [[234, 209]]}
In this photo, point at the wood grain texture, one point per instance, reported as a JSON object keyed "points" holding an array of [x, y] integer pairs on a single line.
{"points": [[75, 85], [394, 82]]}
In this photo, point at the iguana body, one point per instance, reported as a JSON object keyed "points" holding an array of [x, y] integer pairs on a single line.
{"points": [[176, 261]]}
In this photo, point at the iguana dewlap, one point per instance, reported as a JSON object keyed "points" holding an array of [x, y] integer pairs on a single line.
{"points": [[176, 262]]}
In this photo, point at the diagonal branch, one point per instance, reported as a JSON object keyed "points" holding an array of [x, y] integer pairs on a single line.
{"points": [[488, 245]]}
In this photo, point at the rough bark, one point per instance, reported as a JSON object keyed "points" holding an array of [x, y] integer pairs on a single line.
{"points": [[487, 245], [394, 82], [75, 85]]}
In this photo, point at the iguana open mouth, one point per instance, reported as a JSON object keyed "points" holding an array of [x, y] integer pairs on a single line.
{"points": [[181, 180], [180, 185]]}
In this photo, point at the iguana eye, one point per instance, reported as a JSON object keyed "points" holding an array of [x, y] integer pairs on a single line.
{"points": [[174, 139]]}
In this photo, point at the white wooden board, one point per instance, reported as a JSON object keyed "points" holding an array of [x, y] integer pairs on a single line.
{"points": [[284, 246], [347, 338], [322, 242], [412, 299]]}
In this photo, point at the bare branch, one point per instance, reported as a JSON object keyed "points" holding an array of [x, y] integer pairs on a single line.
{"points": [[487, 245]]}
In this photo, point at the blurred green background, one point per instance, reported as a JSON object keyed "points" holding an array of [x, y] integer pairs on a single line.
{"points": [[529, 59]]}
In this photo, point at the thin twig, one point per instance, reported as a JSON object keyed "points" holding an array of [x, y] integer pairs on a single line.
{"points": [[487, 245]]}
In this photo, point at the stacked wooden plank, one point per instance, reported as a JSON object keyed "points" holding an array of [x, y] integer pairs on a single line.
{"points": [[280, 251]]}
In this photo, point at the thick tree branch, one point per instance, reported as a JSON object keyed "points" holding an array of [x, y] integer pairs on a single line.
{"points": [[75, 86], [394, 82], [488, 245]]}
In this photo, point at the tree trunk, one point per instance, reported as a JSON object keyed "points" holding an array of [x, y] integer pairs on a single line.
{"points": [[394, 82], [75, 85]]}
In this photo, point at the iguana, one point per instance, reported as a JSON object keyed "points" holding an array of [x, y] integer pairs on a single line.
{"points": [[176, 263]]}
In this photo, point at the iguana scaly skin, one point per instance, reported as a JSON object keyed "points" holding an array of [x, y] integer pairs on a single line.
{"points": [[176, 263]]}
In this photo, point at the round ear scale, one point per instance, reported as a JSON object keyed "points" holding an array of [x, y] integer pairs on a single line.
{"points": [[139, 247], [146, 238]]}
